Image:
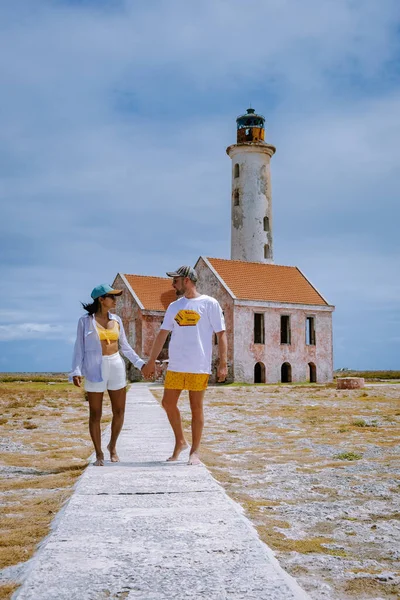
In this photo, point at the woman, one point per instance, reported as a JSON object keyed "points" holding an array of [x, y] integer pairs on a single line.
{"points": [[96, 357]]}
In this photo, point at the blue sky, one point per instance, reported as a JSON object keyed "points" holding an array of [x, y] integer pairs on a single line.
{"points": [[114, 119]]}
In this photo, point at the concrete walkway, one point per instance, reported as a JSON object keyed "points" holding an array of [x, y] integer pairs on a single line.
{"points": [[148, 529]]}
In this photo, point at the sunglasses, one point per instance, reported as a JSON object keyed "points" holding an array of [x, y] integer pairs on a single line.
{"points": [[113, 296]]}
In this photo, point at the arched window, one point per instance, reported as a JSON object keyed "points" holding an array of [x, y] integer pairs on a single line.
{"points": [[266, 224], [236, 198], [267, 251], [237, 171], [259, 373], [286, 373], [312, 369]]}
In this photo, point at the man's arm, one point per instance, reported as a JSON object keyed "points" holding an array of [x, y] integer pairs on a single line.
{"points": [[149, 368], [127, 349], [222, 371]]}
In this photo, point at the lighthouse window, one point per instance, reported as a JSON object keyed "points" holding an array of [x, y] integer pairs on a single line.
{"points": [[236, 198], [266, 224], [237, 171]]}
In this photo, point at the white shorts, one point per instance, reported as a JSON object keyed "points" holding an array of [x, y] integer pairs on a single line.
{"points": [[113, 374]]}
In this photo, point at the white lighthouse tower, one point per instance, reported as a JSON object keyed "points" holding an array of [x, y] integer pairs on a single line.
{"points": [[251, 233]]}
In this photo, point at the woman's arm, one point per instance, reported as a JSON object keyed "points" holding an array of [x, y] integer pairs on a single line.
{"points": [[127, 349], [77, 358], [158, 344]]}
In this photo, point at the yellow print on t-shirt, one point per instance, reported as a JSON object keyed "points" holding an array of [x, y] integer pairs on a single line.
{"points": [[187, 318]]}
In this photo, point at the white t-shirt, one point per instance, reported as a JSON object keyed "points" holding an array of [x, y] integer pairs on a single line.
{"points": [[192, 322]]}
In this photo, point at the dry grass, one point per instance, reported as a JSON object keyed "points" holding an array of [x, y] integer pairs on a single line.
{"points": [[45, 446], [33, 377], [367, 587], [6, 590], [293, 456], [371, 375]]}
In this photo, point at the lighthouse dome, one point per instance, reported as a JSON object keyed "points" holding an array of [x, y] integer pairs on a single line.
{"points": [[250, 127]]}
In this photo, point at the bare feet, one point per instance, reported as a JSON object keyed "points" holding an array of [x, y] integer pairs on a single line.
{"points": [[99, 462], [177, 450], [194, 459], [113, 454]]}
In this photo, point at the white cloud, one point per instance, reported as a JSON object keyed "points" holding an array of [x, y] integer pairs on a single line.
{"points": [[27, 331], [113, 136]]}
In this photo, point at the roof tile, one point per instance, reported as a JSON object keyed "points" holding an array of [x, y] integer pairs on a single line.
{"points": [[155, 293], [266, 282]]}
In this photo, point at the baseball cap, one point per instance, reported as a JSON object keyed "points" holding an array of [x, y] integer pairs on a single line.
{"points": [[184, 271], [103, 289]]}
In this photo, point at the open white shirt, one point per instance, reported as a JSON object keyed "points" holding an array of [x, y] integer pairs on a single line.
{"points": [[87, 356]]}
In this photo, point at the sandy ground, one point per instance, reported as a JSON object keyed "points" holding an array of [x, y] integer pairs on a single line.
{"points": [[44, 447], [317, 470]]}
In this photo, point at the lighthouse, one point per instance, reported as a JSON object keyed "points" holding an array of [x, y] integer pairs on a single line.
{"points": [[251, 229], [278, 325]]}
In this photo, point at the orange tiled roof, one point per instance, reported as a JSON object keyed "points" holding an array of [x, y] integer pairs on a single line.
{"points": [[270, 283], [155, 293]]}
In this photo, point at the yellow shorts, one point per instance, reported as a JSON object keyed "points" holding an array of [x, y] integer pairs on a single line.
{"points": [[194, 382]]}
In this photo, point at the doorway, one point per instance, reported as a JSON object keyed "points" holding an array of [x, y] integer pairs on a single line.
{"points": [[312, 369], [286, 373], [259, 373]]}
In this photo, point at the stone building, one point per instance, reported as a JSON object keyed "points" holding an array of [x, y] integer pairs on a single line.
{"points": [[279, 326], [142, 307]]}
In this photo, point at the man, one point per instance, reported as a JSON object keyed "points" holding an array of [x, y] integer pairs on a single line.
{"points": [[192, 319]]}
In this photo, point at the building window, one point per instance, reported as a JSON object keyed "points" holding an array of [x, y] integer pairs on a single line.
{"points": [[286, 373], [237, 171], [310, 331], [267, 251], [285, 329], [312, 373], [259, 336], [259, 373], [266, 224], [236, 198]]}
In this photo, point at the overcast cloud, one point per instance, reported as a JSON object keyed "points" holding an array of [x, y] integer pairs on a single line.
{"points": [[114, 120]]}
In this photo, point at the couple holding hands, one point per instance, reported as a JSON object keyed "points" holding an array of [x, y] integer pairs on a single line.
{"points": [[192, 319]]}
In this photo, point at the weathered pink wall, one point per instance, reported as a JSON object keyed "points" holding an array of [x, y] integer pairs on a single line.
{"points": [[209, 284], [273, 354], [131, 316], [151, 326], [142, 327]]}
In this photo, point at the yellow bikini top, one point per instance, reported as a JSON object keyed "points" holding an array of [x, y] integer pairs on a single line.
{"points": [[108, 335]]}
